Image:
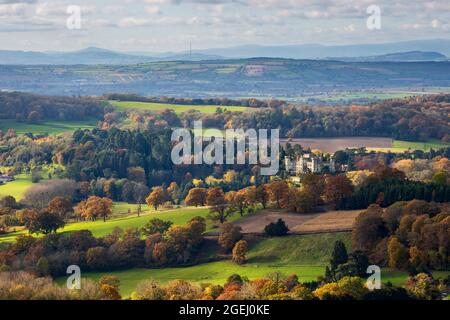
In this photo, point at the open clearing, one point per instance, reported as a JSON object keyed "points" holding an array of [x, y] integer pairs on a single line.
{"points": [[17, 187], [333, 221], [178, 108], [49, 127]]}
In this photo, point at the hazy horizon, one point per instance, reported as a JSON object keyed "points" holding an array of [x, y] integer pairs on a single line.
{"points": [[172, 25]]}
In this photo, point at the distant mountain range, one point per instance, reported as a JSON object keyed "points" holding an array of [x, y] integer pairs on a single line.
{"points": [[316, 51], [420, 50], [409, 56]]}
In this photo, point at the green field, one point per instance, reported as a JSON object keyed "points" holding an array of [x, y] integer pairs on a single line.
{"points": [[402, 146], [100, 228], [50, 127], [17, 187], [150, 106], [305, 256], [425, 146]]}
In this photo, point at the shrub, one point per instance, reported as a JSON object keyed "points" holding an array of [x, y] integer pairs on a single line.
{"points": [[277, 229]]}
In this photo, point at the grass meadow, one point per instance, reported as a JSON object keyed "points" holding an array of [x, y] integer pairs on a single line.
{"points": [[100, 228], [48, 127], [306, 256], [150, 106]]}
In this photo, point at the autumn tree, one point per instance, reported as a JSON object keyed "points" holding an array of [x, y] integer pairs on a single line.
{"points": [[240, 251], [156, 198], [368, 229], [313, 185], [196, 197], [229, 235], [237, 200], [336, 189], [44, 222], [397, 253], [277, 191], [215, 198], [94, 207], [60, 206], [262, 196], [136, 174], [173, 192], [109, 286], [156, 226]]}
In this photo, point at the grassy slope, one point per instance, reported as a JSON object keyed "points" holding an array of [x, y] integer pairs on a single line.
{"points": [[124, 105], [305, 256], [50, 127], [402, 146], [100, 228], [17, 187]]}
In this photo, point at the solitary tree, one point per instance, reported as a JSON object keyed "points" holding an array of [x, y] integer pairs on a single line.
{"points": [[156, 198], [196, 197], [216, 200], [240, 251], [339, 255]]}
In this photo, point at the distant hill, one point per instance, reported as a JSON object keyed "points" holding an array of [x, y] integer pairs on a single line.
{"points": [[94, 55], [90, 56], [287, 78], [409, 56], [315, 51]]}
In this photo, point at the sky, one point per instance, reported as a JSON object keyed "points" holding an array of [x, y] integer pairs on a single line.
{"points": [[172, 25]]}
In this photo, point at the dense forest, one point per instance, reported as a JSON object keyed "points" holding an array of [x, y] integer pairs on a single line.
{"points": [[32, 107], [406, 119]]}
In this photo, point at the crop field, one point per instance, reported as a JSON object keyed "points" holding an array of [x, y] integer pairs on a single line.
{"points": [[329, 221], [150, 106], [332, 221], [49, 127]]}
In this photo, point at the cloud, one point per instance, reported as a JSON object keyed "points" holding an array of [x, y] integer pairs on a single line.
{"points": [[153, 10]]}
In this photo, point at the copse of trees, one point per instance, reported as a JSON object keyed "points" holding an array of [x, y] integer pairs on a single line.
{"points": [[254, 103], [33, 108], [158, 244], [93, 208], [276, 229], [407, 235]]}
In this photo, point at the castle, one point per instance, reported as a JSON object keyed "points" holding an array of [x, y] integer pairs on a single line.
{"points": [[308, 163]]}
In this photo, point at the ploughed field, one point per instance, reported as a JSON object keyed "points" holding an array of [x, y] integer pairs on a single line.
{"points": [[332, 221]]}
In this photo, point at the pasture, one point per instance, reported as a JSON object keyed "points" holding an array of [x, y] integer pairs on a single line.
{"points": [[48, 127], [306, 256], [17, 187], [100, 228], [178, 108]]}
